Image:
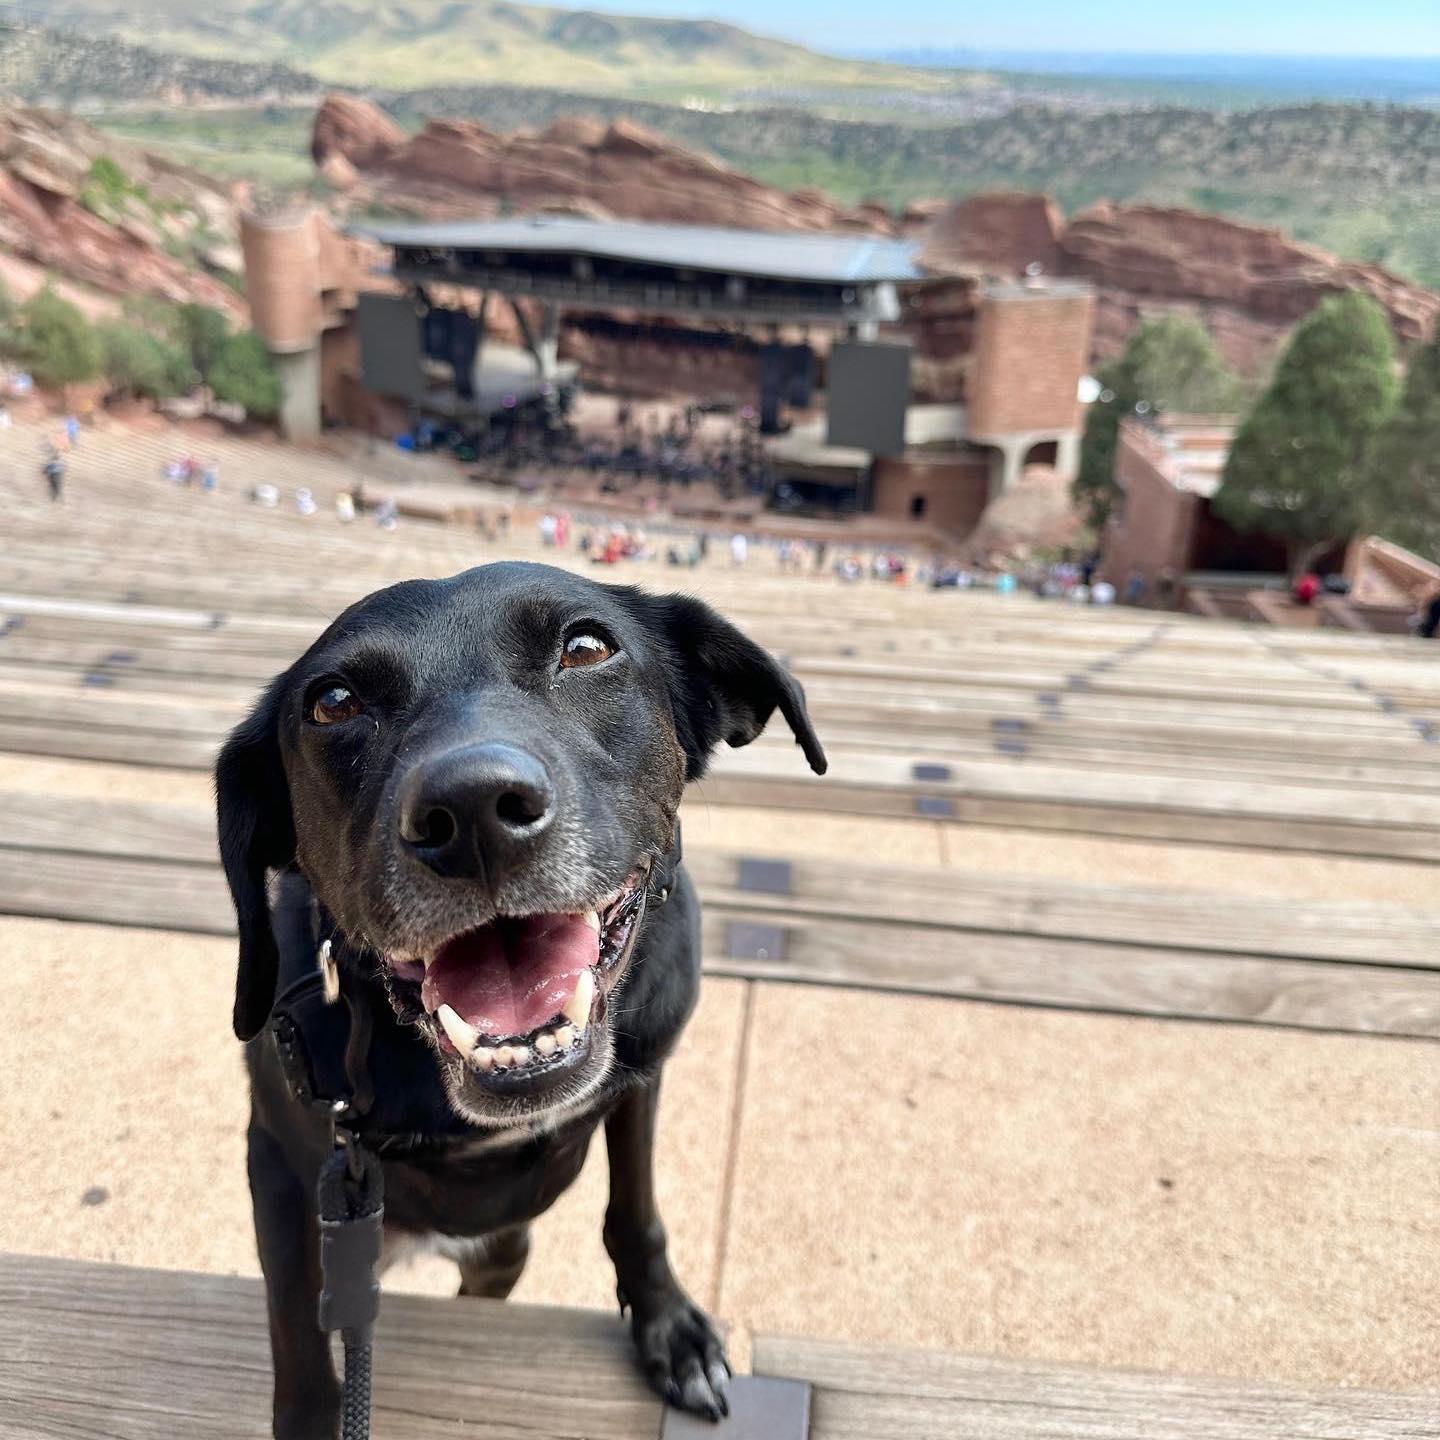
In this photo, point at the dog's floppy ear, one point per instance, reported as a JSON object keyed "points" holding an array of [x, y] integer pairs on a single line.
{"points": [[257, 834], [725, 687]]}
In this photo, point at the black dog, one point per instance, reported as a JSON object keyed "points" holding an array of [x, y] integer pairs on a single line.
{"points": [[478, 779]]}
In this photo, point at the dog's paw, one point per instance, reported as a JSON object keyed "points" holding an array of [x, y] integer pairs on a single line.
{"points": [[683, 1357]]}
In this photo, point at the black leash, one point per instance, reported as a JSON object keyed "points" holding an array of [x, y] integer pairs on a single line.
{"points": [[350, 1194], [351, 1197]]}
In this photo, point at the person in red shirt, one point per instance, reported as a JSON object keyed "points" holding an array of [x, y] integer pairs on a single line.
{"points": [[1307, 587]]}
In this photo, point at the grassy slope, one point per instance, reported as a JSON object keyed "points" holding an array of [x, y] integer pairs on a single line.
{"points": [[373, 42]]}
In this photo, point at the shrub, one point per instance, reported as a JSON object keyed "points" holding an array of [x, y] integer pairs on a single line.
{"points": [[58, 343], [202, 332], [140, 363], [243, 374]]}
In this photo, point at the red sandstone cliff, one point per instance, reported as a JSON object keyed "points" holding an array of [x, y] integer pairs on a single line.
{"points": [[457, 167], [119, 241], [1004, 232], [1247, 283]]}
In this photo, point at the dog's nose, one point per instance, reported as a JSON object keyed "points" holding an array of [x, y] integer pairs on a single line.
{"points": [[475, 812]]}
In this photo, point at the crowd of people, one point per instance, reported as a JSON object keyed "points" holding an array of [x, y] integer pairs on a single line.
{"points": [[349, 505], [539, 442], [187, 471], [661, 448]]}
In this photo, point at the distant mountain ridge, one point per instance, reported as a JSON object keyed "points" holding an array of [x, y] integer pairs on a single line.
{"points": [[56, 67], [1360, 180], [379, 42]]}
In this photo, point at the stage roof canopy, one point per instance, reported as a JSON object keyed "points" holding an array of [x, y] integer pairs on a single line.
{"points": [[856, 259], [628, 264]]}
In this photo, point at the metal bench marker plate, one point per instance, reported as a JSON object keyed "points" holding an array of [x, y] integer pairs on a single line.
{"points": [[763, 876], [751, 940], [761, 1408]]}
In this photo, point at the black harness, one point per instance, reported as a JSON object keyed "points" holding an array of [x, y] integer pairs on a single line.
{"points": [[323, 1030]]}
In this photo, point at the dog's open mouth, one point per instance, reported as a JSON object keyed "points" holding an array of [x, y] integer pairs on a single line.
{"points": [[522, 993]]}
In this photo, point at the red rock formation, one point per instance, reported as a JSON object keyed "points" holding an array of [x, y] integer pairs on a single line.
{"points": [[458, 167], [1247, 283], [1036, 514], [1002, 233], [358, 131], [44, 160]]}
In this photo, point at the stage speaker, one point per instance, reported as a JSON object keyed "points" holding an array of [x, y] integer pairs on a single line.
{"points": [[868, 394], [391, 335]]}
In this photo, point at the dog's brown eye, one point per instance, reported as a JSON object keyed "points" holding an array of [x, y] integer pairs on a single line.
{"points": [[584, 650], [335, 703]]}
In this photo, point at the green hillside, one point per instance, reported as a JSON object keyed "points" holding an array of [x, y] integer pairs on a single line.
{"points": [[426, 42]]}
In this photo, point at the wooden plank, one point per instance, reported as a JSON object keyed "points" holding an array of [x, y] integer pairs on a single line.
{"points": [[106, 1352], [1128, 979], [144, 830], [950, 899], [781, 788], [115, 890], [1080, 975], [123, 747], [1021, 905], [874, 1393], [1326, 821], [1394, 758]]}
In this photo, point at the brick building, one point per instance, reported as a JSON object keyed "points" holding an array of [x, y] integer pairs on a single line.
{"points": [[1168, 468]]}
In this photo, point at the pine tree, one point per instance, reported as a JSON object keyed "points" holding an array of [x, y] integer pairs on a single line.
{"points": [[1403, 499], [1301, 463], [1094, 489], [1170, 365], [1179, 369]]}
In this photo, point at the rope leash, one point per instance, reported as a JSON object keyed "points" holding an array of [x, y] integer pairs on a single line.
{"points": [[350, 1191]]}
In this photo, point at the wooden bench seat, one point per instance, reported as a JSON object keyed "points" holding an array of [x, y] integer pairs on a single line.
{"points": [[1337, 965], [117, 1353], [873, 1393]]}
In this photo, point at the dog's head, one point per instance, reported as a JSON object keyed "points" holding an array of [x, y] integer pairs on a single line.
{"points": [[476, 776]]}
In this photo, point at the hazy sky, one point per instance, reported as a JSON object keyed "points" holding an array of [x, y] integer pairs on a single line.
{"points": [[1286, 27]]}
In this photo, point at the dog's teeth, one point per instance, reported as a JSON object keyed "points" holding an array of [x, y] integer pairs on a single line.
{"points": [[519, 1054], [546, 1044], [502, 1057], [463, 1036], [592, 920], [564, 1037], [577, 1007], [483, 1057]]}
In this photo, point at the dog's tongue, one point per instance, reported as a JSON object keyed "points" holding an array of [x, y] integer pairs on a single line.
{"points": [[513, 975]]}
